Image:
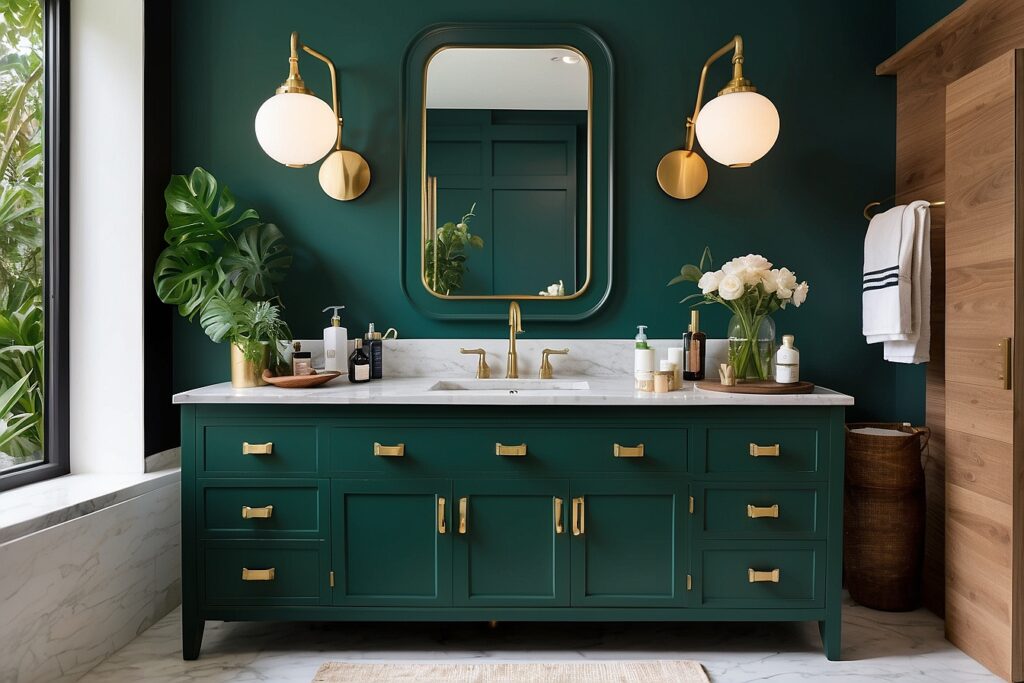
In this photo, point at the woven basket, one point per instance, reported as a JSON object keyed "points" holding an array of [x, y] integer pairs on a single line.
{"points": [[884, 516]]}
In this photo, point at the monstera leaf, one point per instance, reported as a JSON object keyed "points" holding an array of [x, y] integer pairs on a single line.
{"points": [[186, 276], [198, 211], [257, 260], [223, 315]]}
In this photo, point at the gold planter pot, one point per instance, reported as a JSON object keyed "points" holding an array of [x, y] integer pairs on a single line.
{"points": [[245, 374]]}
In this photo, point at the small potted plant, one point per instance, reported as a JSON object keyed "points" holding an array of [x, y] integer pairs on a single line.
{"points": [[446, 255], [224, 266]]}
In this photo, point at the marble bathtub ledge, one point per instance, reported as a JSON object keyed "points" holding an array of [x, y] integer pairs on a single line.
{"points": [[35, 507]]}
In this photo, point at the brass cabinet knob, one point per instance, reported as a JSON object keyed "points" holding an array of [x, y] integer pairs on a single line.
{"points": [[257, 448], [258, 574], [764, 451], [514, 450], [755, 512], [396, 451], [483, 370], [546, 371], [257, 513], [754, 576], [636, 451]]}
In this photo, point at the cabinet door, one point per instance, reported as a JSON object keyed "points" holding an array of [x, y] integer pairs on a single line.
{"points": [[511, 543], [629, 542], [391, 542]]}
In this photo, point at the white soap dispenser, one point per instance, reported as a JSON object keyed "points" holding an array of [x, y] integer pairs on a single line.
{"points": [[335, 343], [787, 362], [643, 358]]}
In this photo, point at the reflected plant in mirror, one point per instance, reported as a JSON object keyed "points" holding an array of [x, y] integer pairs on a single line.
{"points": [[446, 254]]}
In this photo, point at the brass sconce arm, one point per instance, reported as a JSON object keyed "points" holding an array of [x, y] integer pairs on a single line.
{"points": [[295, 84], [737, 84]]}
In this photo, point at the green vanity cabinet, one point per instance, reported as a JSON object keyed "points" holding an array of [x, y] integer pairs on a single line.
{"points": [[543, 513]]}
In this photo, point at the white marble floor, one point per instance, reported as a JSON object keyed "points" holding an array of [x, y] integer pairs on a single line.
{"points": [[877, 646]]}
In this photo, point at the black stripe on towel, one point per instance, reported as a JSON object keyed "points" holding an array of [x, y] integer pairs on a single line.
{"points": [[883, 270], [885, 286], [883, 278]]}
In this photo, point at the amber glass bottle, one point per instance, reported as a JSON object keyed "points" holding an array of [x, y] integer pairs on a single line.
{"points": [[694, 348]]}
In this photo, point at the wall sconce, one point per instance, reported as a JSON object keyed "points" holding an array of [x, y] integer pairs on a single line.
{"points": [[296, 128], [736, 129]]}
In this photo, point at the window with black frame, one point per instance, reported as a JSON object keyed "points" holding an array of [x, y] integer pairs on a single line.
{"points": [[33, 229]]}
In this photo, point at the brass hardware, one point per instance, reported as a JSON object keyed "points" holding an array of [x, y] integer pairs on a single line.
{"points": [[727, 375], [871, 205], [578, 517], [755, 512], [245, 373], [636, 451], [691, 505], [257, 574], [257, 448], [546, 371], [754, 576], [559, 528], [764, 451], [689, 582], [428, 203], [397, 451], [330, 578], [483, 370], [463, 514], [682, 173], [257, 513], [1006, 375], [344, 174], [441, 526], [517, 450], [515, 324]]}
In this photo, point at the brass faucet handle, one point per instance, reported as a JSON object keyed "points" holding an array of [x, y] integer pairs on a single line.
{"points": [[546, 371], [483, 370]]}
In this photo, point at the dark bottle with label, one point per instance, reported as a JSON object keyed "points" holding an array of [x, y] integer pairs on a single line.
{"points": [[694, 346], [374, 346], [359, 365]]}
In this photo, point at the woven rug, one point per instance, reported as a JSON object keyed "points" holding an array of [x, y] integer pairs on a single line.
{"points": [[656, 671]]}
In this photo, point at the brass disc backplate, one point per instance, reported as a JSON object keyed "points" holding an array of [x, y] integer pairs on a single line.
{"points": [[682, 174], [344, 175]]}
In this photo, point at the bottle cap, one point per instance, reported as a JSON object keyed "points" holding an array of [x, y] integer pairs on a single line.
{"points": [[788, 339], [359, 343], [336, 318], [371, 333], [694, 320], [297, 345], [641, 337]]}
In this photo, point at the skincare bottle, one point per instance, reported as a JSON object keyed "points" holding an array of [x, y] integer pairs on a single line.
{"points": [[302, 361], [375, 350], [335, 343], [694, 349], [643, 356], [359, 365], [787, 362]]}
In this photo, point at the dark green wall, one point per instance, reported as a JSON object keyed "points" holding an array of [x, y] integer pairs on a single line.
{"points": [[914, 16], [800, 206]]}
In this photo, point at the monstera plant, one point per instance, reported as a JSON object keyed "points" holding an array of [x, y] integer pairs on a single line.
{"points": [[223, 265]]}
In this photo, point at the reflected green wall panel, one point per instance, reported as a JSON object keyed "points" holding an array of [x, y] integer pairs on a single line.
{"points": [[799, 206]]}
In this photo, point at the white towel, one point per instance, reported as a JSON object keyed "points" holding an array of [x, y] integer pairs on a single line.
{"points": [[897, 282]]}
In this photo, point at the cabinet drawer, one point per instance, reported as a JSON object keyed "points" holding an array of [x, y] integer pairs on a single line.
{"points": [[550, 450], [259, 450], [247, 509], [754, 511], [265, 572], [763, 575], [763, 451]]}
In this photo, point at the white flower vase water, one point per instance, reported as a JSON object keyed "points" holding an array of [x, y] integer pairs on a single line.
{"points": [[751, 346]]}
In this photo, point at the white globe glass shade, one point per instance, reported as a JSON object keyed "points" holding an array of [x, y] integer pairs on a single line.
{"points": [[296, 129], [738, 128]]}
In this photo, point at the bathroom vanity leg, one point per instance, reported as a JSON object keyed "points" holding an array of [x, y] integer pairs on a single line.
{"points": [[191, 637], [831, 630]]}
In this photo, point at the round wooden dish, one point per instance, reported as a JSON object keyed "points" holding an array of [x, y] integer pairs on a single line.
{"points": [[755, 386], [299, 381]]}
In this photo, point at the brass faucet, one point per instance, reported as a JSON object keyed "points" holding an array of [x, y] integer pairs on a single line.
{"points": [[546, 371], [483, 371], [515, 324]]}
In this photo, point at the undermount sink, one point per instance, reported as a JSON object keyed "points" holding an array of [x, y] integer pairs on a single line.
{"points": [[510, 386]]}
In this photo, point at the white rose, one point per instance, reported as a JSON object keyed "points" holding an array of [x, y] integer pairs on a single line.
{"points": [[750, 268], [709, 281], [785, 283], [770, 281], [800, 293], [731, 287]]}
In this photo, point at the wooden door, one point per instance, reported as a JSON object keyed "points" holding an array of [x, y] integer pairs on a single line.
{"points": [[983, 551]]}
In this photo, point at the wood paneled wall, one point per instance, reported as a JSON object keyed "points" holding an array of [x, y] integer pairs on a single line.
{"points": [[972, 35]]}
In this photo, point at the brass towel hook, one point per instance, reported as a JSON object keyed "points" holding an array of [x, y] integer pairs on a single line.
{"points": [[870, 205]]}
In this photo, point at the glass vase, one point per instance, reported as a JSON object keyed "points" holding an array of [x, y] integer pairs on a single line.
{"points": [[751, 346]]}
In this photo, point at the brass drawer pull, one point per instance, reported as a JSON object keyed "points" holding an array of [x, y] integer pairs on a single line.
{"points": [[502, 449], [257, 574], [1006, 373], [579, 515], [382, 451], [754, 576], [463, 514], [559, 527], [257, 448], [754, 512], [636, 451], [764, 451], [442, 527], [257, 513]]}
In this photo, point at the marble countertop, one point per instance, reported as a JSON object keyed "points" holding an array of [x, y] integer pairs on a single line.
{"points": [[580, 390]]}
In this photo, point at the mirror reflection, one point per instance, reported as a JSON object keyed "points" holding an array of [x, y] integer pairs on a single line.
{"points": [[506, 172]]}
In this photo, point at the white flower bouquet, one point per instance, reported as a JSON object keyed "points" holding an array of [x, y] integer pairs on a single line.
{"points": [[752, 289]]}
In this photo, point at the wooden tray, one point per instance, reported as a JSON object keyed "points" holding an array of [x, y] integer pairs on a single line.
{"points": [[299, 381], [755, 386]]}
